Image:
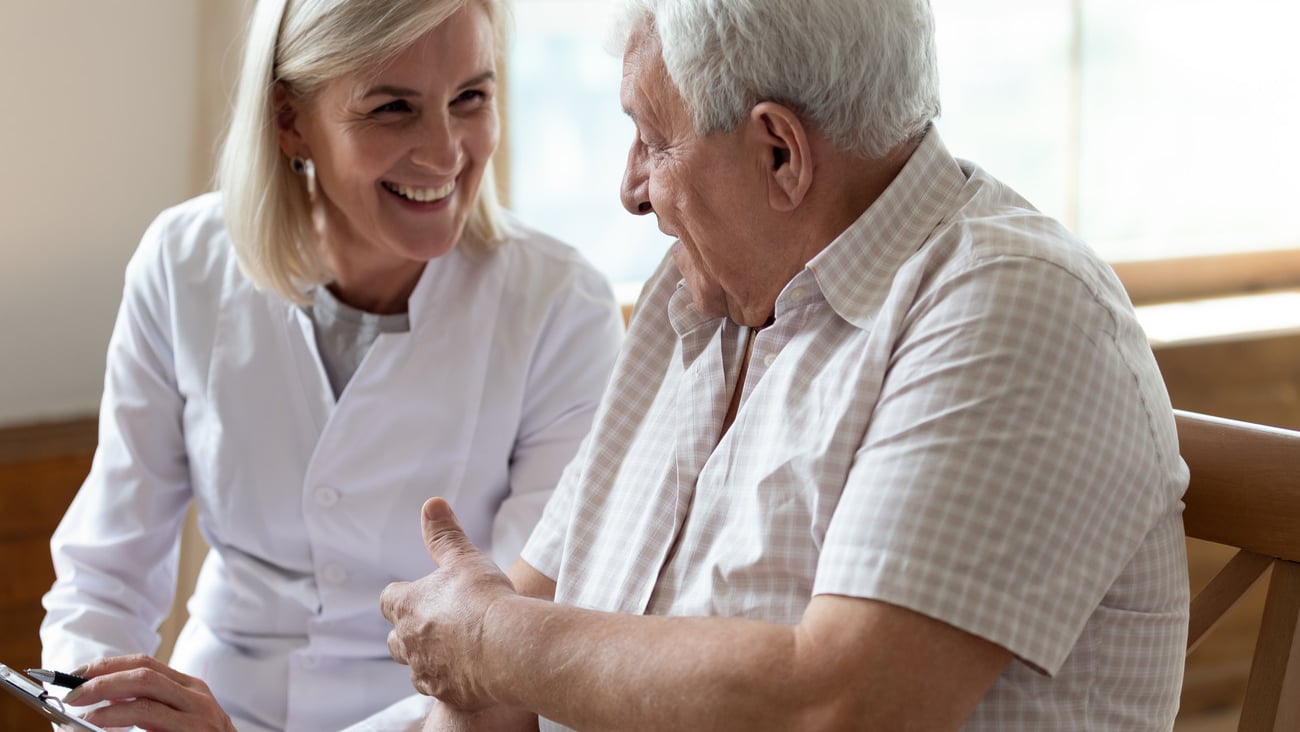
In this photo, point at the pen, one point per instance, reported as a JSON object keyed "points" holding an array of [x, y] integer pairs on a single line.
{"points": [[58, 678]]}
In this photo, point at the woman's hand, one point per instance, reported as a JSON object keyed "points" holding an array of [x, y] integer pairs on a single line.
{"points": [[144, 693]]}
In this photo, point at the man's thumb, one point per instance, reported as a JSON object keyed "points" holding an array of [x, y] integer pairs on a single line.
{"points": [[443, 536]]}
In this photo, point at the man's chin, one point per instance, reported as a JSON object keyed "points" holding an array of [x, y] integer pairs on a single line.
{"points": [[706, 295]]}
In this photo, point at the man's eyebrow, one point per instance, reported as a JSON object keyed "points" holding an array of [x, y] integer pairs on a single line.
{"points": [[631, 111]]}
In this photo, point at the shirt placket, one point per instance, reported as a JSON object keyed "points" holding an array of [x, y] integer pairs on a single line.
{"points": [[701, 404]]}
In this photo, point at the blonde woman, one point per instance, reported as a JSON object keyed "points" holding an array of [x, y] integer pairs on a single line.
{"points": [[349, 326]]}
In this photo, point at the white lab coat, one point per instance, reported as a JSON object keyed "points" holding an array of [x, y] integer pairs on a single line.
{"points": [[215, 392]]}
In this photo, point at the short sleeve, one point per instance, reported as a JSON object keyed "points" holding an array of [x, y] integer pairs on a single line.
{"points": [[1008, 473]]}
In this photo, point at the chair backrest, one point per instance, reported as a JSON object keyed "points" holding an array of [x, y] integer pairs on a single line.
{"points": [[1245, 493]]}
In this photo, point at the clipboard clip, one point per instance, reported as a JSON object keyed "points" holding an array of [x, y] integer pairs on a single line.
{"points": [[53, 701]]}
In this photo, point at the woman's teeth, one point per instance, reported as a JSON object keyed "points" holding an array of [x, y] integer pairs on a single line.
{"points": [[422, 195]]}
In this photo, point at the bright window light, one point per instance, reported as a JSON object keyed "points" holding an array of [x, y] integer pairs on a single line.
{"points": [[1163, 128]]}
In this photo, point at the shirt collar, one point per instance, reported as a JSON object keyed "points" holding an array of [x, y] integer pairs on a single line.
{"points": [[695, 329], [856, 270]]}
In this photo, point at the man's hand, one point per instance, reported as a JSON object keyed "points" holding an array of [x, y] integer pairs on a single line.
{"points": [[443, 718], [438, 620], [148, 694]]}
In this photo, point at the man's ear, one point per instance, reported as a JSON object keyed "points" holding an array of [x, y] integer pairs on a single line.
{"points": [[285, 109], [782, 140]]}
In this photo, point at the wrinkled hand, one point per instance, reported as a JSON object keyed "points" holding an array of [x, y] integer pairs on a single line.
{"points": [[438, 620], [144, 693]]}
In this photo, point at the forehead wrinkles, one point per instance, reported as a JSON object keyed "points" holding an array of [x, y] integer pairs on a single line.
{"points": [[649, 95]]}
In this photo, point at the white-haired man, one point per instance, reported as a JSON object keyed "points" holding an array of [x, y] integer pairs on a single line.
{"points": [[885, 448]]}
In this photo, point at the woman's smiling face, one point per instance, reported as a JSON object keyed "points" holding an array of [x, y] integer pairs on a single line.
{"points": [[401, 149]]}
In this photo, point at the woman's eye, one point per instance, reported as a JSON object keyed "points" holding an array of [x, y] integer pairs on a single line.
{"points": [[397, 105], [470, 96]]}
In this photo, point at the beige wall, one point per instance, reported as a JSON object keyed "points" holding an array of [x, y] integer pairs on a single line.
{"points": [[111, 112]]}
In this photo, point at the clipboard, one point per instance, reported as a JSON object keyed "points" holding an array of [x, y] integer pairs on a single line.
{"points": [[31, 693]]}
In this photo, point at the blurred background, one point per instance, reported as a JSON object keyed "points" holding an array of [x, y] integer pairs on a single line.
{"points": [[1156, 129]]}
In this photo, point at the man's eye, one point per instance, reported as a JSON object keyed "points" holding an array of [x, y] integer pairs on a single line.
{"points": [[398, 105]]}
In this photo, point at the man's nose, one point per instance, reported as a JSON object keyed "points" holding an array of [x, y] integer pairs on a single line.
{"points": [[636, 186]]}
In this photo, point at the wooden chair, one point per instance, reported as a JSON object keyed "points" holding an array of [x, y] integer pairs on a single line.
{"points": [[1245, 493]]}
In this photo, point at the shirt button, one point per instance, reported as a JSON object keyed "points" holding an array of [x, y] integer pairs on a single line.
{"points": [[311, 663], [768, 359], [327, 497], [335, 574], [796, 294]]}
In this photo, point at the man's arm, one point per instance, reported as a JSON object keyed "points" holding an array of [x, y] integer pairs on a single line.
{"points": [[850, 663]]}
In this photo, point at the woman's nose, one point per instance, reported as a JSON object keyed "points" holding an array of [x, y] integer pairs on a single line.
{"points": [[437, 147]]}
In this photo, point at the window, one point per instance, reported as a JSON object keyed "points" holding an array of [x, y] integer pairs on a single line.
{"points": [[1155, 129], [569, 137]]}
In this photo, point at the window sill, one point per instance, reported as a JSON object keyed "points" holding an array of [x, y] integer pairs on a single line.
{"points": [[1222, 319]]}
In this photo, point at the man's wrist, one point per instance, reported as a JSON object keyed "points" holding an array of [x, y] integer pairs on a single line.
{"points": [[500, 646]]}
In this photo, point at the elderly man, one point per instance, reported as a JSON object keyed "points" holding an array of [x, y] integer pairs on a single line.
{"points": [[885, 448]]}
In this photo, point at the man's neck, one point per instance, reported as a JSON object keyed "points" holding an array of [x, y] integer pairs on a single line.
{"points": [[845, 188]]}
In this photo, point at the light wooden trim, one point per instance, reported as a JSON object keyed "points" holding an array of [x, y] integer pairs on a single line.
{"points": [[1245, 484], [1273, 693], [1188, 278], [1242, 572]]}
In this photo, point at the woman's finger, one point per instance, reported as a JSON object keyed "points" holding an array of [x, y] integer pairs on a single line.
{"points": [[115, 664], [138, 683], [151, 715]]}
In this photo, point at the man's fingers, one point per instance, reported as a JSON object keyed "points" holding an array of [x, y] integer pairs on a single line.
{"points": [[443, 536], [390, 598], [395, 647]]}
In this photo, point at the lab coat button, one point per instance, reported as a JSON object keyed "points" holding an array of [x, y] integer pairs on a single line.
{"points": [[335, 574], [310, 663], [327, 497]]}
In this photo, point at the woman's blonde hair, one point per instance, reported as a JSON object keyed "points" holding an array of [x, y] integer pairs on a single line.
{"points": [[304, 44]]}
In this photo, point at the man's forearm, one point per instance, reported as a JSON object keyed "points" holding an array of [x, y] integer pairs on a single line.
{"points": [[593, 670], [850, 663]]}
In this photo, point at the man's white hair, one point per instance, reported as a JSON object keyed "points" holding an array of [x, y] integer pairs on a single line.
{"points": [[863, 71]]}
